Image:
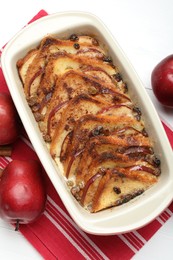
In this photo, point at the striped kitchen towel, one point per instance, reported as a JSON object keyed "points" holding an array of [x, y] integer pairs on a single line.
{"points": [[56, 236]]}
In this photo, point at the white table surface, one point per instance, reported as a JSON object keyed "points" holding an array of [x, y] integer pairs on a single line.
{"points": [[144, 30]]}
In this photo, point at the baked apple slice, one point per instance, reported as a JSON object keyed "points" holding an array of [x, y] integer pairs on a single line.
{"points": [[117, 190], [133, 145], [124, 153], [61, 63], [48, 46], [67, 116], [90, 188], [87, 126], [100, 124], [75, 84]]}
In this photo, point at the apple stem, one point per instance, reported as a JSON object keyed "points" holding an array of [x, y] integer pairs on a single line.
{"points": [[17, 225]]}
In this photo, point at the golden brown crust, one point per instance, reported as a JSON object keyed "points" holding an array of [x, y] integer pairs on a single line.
{"points": [[91, 126]]}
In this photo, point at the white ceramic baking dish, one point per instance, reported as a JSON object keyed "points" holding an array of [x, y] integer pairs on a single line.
{"points": [[135, 213]]}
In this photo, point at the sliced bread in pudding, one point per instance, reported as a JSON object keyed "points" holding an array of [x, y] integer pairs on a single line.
{"points": [[93, 130]]}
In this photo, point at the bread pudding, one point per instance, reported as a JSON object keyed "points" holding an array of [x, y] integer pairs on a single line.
{"points": [[92, 128]]}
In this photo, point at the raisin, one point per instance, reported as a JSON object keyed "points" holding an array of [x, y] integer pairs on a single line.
{"points": [[117, 77], [36, 108], [137, 110], [76, 46], [73, 37], [107, 59], [144, 132], [47, 138], [38, 116], [156, 162], [32, 101], [97, 131], [117, 190]]}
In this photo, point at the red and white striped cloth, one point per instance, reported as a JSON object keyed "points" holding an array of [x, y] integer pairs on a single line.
{"points": [[56, 236]]}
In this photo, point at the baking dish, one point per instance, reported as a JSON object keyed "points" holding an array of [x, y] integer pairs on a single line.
{"points": [[142, 209]]}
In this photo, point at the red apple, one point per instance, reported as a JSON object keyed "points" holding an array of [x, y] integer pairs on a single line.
{"points": [[162, 81], [8, 120], [22, 192]]}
